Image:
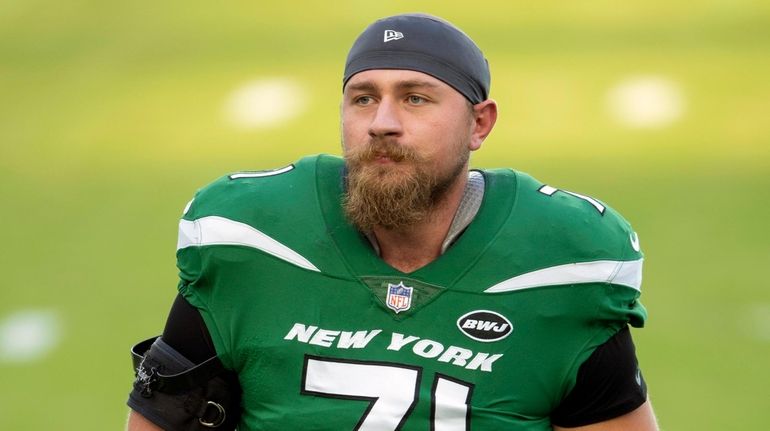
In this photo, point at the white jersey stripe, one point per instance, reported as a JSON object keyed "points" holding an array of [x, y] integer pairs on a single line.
{"points": [[214, 230], [625, 273]]}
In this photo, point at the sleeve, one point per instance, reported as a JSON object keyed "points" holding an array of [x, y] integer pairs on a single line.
{"points": [[186, 332], [609, 384]]}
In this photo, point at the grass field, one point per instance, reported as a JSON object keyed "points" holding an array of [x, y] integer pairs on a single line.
{"points": [[113, 113]]}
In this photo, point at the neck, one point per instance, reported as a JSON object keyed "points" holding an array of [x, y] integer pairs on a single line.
{"points": [[409, 249]]}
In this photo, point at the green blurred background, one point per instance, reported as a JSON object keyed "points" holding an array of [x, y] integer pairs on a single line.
{"points": [[113, 113]]}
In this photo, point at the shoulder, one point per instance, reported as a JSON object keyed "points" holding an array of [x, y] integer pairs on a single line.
{"points": [[247, 194], [583, 225], [276, 212], [555, 237]]}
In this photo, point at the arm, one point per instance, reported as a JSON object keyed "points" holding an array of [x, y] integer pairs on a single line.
{"points": [[641, 419], [610, 392], [181, 384]]}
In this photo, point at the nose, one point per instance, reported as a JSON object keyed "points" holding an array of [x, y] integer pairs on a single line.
{"points": [[386, 121]]}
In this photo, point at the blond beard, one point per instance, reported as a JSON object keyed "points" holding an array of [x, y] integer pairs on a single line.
{"points": [[393, 197]]}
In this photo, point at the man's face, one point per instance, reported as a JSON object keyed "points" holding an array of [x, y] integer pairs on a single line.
{"points": [[406, 138]]}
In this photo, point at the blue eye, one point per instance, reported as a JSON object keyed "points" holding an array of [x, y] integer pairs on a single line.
{"points": [[363, 100], [416, 100]]}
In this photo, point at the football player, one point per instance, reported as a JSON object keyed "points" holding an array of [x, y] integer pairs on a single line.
{"points": [[394, 288]]}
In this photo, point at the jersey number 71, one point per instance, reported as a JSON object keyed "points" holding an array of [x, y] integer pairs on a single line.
{"points": [[392, 391]]}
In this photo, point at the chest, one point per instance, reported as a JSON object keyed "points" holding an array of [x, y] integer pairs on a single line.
{"points": [[383, 353]]}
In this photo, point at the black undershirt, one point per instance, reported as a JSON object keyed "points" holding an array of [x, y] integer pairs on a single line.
{"points": [[186, 332], [608, 384]]}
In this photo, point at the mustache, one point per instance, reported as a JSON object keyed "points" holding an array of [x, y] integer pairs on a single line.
{"points": [[377, 148]]}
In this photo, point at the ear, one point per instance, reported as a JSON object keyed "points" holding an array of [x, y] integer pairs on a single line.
{"points": [[485, 116]]}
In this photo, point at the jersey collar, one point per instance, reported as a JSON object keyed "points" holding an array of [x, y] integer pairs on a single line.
{"points": [[479, 224]]}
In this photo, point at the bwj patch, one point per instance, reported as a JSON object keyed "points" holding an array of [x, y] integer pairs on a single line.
{"points": [[399, 297]]}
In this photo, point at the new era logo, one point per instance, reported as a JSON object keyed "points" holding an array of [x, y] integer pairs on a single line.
{"points": [[393, 35]]}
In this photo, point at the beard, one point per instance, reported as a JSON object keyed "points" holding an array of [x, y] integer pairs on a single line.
{"points": [[395, 195]]}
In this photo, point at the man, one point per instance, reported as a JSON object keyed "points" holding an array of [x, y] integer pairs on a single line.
{"points": [[397, 290]]}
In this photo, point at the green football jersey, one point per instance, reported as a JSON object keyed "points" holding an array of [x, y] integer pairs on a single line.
{"points": [[325, 335]]}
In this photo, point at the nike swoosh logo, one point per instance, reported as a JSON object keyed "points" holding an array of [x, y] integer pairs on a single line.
{"points": [[634, 241], [639, 377]]}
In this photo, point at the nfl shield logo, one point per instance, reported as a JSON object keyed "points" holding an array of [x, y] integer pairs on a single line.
{"points": [[399, 297]]}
